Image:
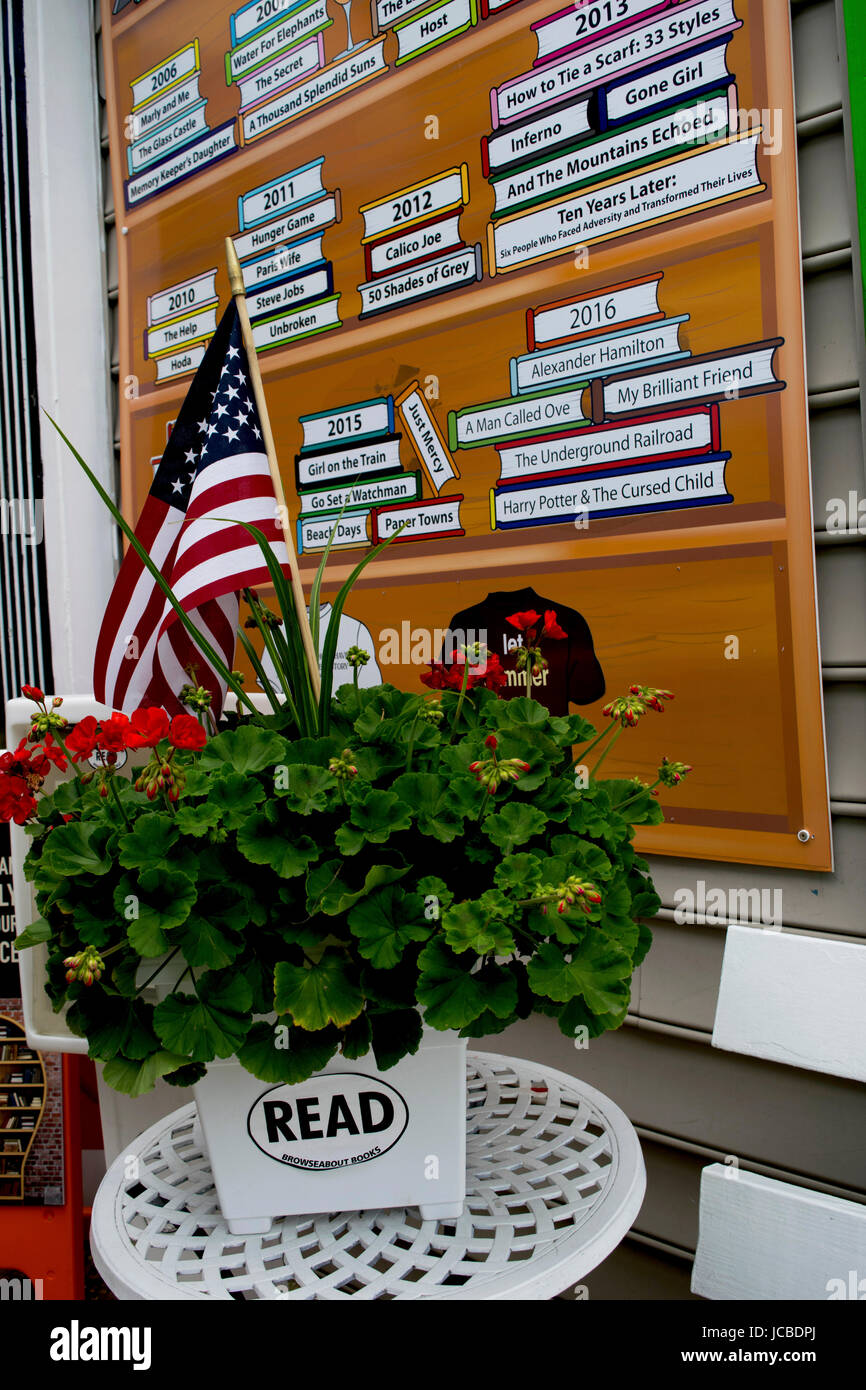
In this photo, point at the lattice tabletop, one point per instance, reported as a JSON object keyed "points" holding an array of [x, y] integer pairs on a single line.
{"points": [[555, 1177]]}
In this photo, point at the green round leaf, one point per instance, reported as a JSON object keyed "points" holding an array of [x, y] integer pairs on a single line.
{"points": [[248, 748], [148, 844], [594, 970], [452, 997], [76, 848], [261, 844], [135, 1078], [213, 1024], [385, 923], [315, 995], [514, 825], [380, 814], [278, 1053], [472, 926]]}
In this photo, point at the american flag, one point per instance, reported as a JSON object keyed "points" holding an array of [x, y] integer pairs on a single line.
{"points": [[214, 466]]}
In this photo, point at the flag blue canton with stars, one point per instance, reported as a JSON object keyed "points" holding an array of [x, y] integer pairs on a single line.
{"points": [[217, 419]]}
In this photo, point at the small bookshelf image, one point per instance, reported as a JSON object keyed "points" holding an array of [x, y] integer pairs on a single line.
{"points": [[22, 1101]]}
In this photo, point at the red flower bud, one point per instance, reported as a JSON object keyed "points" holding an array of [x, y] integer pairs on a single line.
{"points": [[32, 692], [491, 741]]}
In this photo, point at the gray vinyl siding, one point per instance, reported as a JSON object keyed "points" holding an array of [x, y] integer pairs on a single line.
{"points": [[692, 1104]]}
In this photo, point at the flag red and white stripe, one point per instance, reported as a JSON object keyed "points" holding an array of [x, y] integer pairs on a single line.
{"points": [[214, 474]]}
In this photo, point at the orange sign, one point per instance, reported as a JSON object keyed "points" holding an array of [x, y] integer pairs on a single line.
{"points": [[524, 280]]}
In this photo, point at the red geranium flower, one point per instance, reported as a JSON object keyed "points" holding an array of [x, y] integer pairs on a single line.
{"points": [[17, 802], [81, 740], [112, 733], [488, 671], [29, 763], [12, 762], [436, 677], [147, 727], [493, 676], [186, 732], [32, 692], [551, 626], [524, 621], [54, 754]]}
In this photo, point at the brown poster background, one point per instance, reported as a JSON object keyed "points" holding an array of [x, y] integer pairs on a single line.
{"points": [[663, 591]]}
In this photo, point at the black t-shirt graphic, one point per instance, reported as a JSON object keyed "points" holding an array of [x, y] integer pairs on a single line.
{"points": [[573, 672]]}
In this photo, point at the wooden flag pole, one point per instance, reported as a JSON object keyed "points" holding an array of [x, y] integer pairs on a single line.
{"points": [[236, 282]]}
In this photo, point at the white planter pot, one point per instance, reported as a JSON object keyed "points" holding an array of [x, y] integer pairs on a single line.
{"points": [[351, 1138]]}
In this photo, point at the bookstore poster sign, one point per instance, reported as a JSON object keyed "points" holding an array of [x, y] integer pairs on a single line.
{"points": [[10, 982], [524, 280]]}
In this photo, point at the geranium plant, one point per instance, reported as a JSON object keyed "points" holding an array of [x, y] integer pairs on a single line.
{"points": [[335, 873], [441, 858]]}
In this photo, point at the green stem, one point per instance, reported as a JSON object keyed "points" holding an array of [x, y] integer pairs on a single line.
{"points": [[594, 772], [116, 794], [411, 740], [157, 970], [110, 950], [463, 688], [66, 753], [651, 788], [271, 648], [182, 977], [259, 671], [576, 762]]}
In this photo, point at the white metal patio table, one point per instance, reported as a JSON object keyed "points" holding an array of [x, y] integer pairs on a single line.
{"points": [[555, 1178]]}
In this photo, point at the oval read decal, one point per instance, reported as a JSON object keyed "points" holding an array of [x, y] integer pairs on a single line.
{"points": [[329, 1122]]}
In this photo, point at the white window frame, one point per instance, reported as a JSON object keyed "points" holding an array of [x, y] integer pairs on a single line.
{"points": [[69, 301]]}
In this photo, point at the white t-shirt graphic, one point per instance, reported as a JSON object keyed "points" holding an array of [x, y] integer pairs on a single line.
{"points": [[351, 633]]}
